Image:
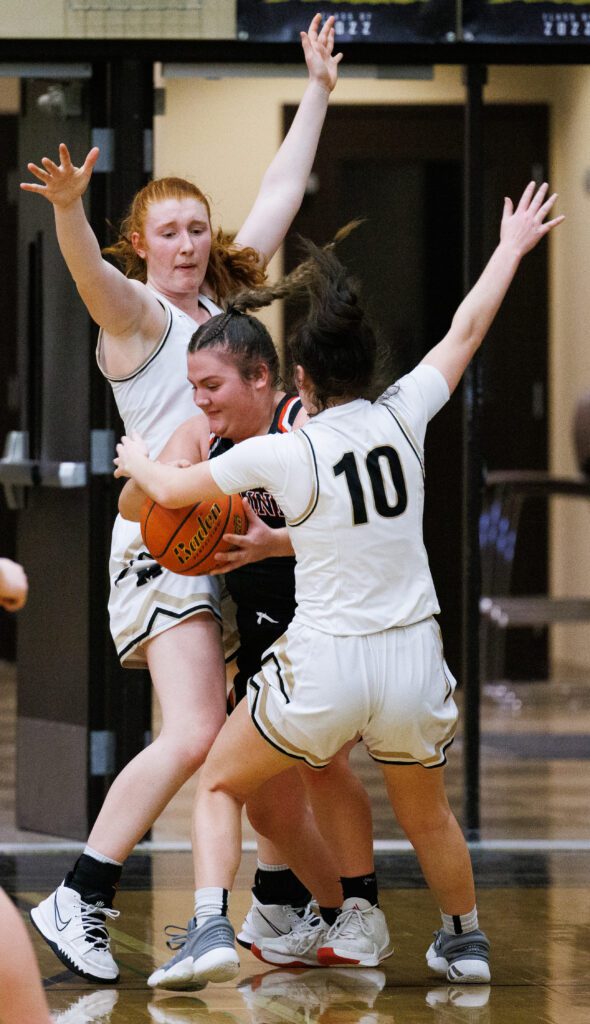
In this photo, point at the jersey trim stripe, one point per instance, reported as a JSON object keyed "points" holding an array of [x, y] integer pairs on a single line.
{"points": [[316, 488], [150, 358], [204, 301], [167, 612], [408, 436], [288, 415]]}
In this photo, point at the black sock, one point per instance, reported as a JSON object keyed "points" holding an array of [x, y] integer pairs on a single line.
{"points": [[362, 887], [94, 880], [282, 887], [329, 914]]}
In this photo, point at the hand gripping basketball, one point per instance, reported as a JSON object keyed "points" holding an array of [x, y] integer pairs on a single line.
{"points": [[186, 540]]}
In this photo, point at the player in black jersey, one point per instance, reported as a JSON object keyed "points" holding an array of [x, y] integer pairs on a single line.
{"points": [[263, 591], [235, 376]]}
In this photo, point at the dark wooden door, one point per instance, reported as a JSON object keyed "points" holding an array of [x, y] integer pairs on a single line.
{"points": [[400, 168]]}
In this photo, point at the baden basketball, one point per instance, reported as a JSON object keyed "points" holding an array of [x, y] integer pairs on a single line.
{"points": [[185, 540]]}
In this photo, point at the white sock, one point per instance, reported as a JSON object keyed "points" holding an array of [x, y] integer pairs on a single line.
{"points": [[458, 924], [210, 902], [271, 867], [101, 857]]}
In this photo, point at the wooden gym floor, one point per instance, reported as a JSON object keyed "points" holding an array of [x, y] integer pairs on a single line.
{"points": [[532, 870]]}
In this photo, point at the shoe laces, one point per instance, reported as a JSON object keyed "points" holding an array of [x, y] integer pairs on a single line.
{"points": [[348, 923], [93, 922], [304, 932], [178, 934]]}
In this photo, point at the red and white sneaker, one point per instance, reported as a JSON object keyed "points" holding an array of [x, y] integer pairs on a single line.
{"points": [[299, 947], [358, 937]]}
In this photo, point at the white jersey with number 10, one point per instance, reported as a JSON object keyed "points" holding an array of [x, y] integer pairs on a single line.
{"points": [[351, 485]]}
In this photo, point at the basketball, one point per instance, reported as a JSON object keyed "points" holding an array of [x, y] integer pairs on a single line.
{"points": [[186, 540]]}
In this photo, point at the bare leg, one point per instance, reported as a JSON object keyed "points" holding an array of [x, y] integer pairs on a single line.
{"points": [[239, 762], [279, 811], [23, 998], [342, 810], [187, 669], [420, 804]]}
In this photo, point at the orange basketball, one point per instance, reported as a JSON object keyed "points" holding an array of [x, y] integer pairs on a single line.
{"points": [[185, 540]]}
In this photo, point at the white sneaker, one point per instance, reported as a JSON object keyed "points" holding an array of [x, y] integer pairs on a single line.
{"points": [[77, 933], [95, 1007], [176, 1008], [267, 920], [358, 936], [473, 998], [299, 947], [286, 994]]}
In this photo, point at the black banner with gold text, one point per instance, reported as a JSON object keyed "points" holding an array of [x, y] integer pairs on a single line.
{"points": [[526, 21], [363, 21]]}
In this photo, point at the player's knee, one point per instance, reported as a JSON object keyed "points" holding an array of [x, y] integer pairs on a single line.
{"points": [[190, 749], [275, 823], [424, 821]]}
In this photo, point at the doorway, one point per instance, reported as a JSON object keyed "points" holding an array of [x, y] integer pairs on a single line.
{"points": [[400, 168]]}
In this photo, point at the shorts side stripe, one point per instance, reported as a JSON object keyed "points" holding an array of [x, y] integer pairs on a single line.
{"points": [[270, 734], [403, 758], [166, 612]]}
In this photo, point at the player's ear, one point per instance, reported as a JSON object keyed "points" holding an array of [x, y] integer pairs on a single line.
{"points": [[261, 377], [299, 377], [138, 244]]}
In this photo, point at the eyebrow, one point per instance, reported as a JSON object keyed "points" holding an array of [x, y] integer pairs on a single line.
{"points": [[174, 223]]}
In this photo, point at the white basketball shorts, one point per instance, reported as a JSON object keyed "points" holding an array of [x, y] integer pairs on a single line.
{"points": [[146, 599], [315, 692]]}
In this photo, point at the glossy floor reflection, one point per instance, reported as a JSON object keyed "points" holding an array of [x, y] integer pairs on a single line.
{"points": [[535, 909]]}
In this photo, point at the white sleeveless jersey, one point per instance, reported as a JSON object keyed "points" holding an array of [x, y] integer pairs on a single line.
{"points": [[156, 398], [351, 485]]}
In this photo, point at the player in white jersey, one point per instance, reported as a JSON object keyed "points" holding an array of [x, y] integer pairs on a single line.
{"points": [[363, 655], [234, 372], [176, 272]]}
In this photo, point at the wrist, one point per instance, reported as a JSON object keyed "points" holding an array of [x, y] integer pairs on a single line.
{"points": [[321, 87]]}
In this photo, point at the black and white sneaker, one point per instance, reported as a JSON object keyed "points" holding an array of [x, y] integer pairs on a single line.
{"points": [[268, 921], [95, 1008], [76, 931]]}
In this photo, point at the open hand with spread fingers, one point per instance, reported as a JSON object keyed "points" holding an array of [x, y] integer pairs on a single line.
{"points": [[526, 225], [318, 46], [63, 183]]}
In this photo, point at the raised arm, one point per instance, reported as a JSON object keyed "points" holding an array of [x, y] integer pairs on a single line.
{"points": [[121, 306], [520, 231], [283, 185]]}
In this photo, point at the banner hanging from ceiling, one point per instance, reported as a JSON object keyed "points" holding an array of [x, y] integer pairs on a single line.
{"points": [[526, 21], [357, 21]]}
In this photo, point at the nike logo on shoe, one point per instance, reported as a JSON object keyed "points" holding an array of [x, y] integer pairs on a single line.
{"points": [[270, 924], [60, 924]]}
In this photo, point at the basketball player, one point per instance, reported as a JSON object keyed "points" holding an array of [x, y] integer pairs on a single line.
{"points": [[22, 997], [234, 370], [176, 273], [363, 654]]}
